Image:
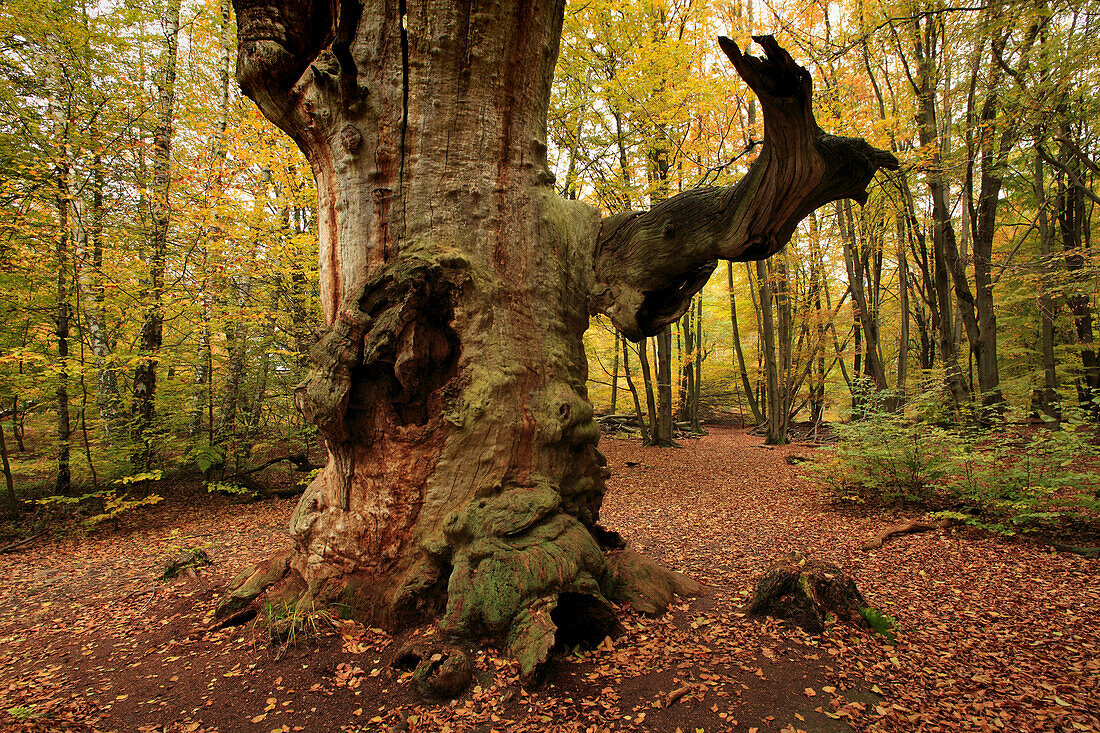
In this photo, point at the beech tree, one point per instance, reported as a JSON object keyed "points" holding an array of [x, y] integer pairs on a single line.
{"points": [[463, 481]]}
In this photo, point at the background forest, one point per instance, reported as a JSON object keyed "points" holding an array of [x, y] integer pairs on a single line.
{"points": [[158, 248]]}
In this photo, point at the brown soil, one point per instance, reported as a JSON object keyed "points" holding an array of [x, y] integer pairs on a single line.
{"points": [[991, 635]]}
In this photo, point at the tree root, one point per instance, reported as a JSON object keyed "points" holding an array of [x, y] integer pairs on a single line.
{"points": [[250, 583], [644, 584], [1089, 552], [525, 574], [675, 695], [903, 528]]}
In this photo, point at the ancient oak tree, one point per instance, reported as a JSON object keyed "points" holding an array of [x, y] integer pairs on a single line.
{"points": [[463, 482]]}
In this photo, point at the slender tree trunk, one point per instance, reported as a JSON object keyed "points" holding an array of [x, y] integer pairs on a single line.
{"points": [[761, 372], [817, 284], [252, 428], [687, 368], [903, 306], [777, 416], [151, 337], [650, 398], [93, 295], [11, 509], [858, 377], [236, 338], [659, 166], [62, 311], [696, 424], [943, 228], [1073, 221], [1048, 398], [662, 435], [750, 393], [922, 287], [17, 417], [784, 341], [615, 375], [866, 317], [642, 424], [202, 399]]}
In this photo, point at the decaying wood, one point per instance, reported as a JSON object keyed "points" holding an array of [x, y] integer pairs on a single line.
{"points": [[186, 562], [807, 592], [463, 484], [903, 528]]}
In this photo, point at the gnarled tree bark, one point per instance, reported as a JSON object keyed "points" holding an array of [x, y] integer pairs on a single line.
{"points": [[463, 481]]}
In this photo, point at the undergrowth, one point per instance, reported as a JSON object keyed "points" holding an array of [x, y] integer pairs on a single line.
{"points": [[109, 505], [1006, 479]]}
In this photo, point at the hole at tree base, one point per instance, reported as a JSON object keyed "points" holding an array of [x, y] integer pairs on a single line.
{"points": [[583, 620], [238, 619]]}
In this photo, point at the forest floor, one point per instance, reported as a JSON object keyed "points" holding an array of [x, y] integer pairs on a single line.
{"points": [[993, 635]]}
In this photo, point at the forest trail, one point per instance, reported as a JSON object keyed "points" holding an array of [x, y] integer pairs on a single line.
{"points": [[993, 634]]}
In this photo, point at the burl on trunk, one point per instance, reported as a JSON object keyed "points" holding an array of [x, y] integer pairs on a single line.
{"points": [[463, 481]]}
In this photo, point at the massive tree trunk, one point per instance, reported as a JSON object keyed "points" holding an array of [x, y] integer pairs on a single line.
{"points": [[463, 481]]}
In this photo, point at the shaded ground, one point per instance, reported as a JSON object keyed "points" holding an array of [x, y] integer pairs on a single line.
{"points": [[993, 635]]}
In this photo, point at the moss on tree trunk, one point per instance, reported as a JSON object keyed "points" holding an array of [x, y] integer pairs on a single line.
{"points": [[463, 482]]}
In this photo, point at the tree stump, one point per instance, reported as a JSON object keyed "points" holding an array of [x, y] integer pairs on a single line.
{"points": [[807, 592]]}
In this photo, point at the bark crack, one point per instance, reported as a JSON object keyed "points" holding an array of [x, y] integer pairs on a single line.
{"points": [[402, 6]]}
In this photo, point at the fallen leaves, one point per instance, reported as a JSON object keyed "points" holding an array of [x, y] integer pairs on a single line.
{"points": [[993, 636]]}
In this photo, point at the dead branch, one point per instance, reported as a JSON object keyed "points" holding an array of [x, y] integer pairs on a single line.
{"points": [[903, 528], [300, 460], [16, 545]]}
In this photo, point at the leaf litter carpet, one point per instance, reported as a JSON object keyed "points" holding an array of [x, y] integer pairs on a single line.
{"points": [[993, 635]]}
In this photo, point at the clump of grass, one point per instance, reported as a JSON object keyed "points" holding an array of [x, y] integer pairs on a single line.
{"points": [[289, 623]]}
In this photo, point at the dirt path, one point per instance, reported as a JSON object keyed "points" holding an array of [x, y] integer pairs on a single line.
{"points": [[994, 635]]}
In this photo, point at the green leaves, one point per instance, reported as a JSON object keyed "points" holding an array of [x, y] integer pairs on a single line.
{"points": [[1015, 479], [207, 456], [883, 625]]}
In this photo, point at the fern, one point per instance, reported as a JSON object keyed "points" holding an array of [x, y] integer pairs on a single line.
{"points": [[883, 625]]}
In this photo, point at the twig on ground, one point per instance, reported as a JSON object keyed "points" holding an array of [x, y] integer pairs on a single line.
{"points": [[16, 545], [903, 528], [676, 695]]}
